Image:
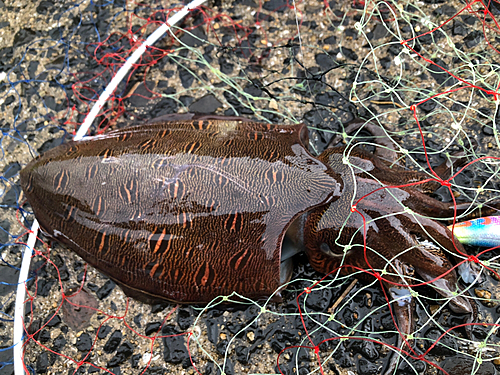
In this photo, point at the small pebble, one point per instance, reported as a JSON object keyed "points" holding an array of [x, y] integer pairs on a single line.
{"points": [[433, 308], [481, 293]]}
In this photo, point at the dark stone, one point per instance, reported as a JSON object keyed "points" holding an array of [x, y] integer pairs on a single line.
{"points": [[152, 328], [186, 77], [59, 343], [64, 273], [473, 38], [329, 98], [344, 358], [212, 331], [221, 347], [446, 10], [114, 340], [253, 89], [63, 270], [484, 112], [442, 78], [106, 289], [428, 105], [11, 196], [225, 66], [44, 336], [11, 169], [134, 360], [207, 104], [379, 32], [44, 6], [103, 332], [51, 143], [369, 350], [395, 49], [194, 38], [385, 62], [175, 350], [4, 234], [6, 54], [158, 307], [229, 369], [319, 300], [164, 107], [387, 322], [469, 20], [446, 346], [426, 39], [332, 40], [351, 32], [53, 320], [277, 345], [186, 100], [164, 86], [234, 327], [137, 320], [44, 286], [467, 365], [325, 61], [123, 353], [349, 54], [459, 28], [9, 100], [42, 363], [487, 130], [23, 36], [242, 354], [51, 103], [8, 275], [84, 342], [414, 366], [480, 333], [184, 319], [366, 348], [275, 5], [367, 368], [142, 95]]}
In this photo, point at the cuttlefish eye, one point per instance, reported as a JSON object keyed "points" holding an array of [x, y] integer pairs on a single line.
{"points": [[409, 270]]}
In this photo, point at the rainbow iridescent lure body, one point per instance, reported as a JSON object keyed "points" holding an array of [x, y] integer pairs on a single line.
{"points": [[484, 231]]}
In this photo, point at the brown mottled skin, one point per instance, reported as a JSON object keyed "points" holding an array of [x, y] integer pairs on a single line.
{"points": [[189, 210], [185, 211]]}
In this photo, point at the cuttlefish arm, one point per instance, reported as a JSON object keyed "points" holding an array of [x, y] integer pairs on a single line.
{"points": [[431, 268]]}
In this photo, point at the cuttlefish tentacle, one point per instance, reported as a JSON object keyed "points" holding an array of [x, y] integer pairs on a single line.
{"points": [[387, 152], [403, 309]]}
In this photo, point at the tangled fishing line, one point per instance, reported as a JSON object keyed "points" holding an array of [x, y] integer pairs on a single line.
{"points": [[426, 72]]}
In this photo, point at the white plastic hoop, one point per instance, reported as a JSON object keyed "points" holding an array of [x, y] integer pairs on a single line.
{"points": [[82, 131]]}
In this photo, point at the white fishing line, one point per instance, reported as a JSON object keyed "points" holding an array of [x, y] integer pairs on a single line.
{"points": [[82, 131]]}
